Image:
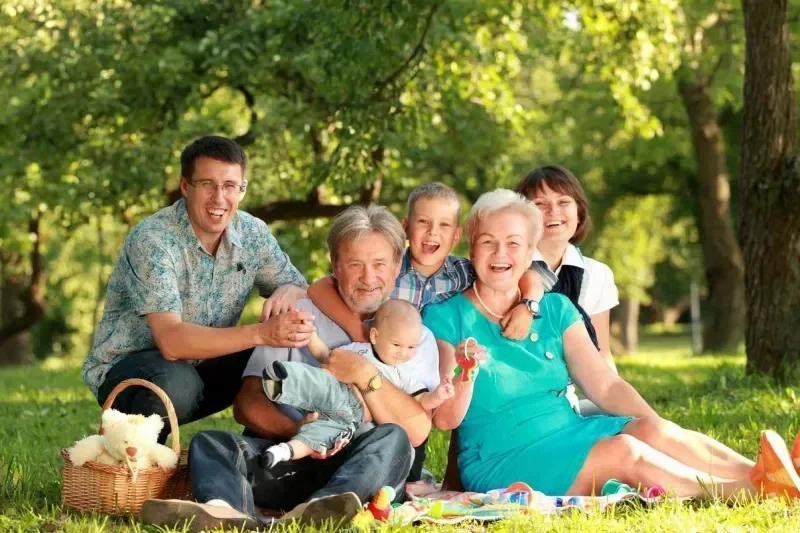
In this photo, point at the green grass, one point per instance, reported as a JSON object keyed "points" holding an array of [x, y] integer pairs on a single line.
{"points": [[47, 407]]}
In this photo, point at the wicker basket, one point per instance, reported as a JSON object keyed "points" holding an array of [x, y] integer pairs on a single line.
{"points": [[110, 489]]}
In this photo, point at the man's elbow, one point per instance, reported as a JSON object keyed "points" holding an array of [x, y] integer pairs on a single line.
{"points": [[419, 433]]}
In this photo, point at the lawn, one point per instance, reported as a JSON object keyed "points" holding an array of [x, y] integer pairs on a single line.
{"points": [[46, 407]]}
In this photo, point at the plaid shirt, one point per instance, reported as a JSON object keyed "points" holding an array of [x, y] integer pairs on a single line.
{"points": [[455, 276]]}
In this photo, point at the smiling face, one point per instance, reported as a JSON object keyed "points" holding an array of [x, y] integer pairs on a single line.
{"points": [[501, 249], [560, 213], [365, 269], [432, 230], [211, 209]]}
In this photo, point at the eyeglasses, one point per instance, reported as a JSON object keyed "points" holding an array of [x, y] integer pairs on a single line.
{"points": [[229, 188]]}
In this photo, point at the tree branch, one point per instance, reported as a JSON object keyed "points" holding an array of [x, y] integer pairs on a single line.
{"points": [[249, 137], [418, 50], [32, 297]]}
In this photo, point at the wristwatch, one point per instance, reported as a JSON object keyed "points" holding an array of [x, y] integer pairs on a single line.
{"points": [[532, 305], [373, 384]]}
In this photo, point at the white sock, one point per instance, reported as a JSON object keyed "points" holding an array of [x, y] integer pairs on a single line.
{"points": [[219, 503], [280, 452]]}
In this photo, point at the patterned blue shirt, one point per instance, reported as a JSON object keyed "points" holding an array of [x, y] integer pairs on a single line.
{"points": [[455, 276], [163, 268]]}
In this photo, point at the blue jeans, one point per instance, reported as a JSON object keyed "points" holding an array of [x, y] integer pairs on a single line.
{"points": [[312, 389], [196, 391], [224, 465]]}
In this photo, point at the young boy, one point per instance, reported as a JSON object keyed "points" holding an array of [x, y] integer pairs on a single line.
{"points": [[429, 274], [393, 339]]}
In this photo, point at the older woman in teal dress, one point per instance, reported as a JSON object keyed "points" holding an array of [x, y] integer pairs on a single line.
{"points": [[515, 423]]}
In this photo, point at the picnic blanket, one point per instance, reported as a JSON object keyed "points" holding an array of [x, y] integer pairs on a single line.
{"points": [[428, 503]]}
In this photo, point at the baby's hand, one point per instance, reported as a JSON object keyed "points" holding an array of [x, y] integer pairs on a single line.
{"points": [[445, 390]]}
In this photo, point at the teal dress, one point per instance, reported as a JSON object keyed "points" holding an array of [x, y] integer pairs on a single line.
{"points": [[519, 425]]}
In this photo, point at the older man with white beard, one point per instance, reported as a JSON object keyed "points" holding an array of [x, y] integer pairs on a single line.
{"points": [[366, 245]]}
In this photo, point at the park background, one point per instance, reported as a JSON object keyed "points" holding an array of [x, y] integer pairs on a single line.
{"points": [[688, 161]]}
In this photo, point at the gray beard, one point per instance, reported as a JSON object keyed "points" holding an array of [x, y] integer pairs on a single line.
{"points": [[371, 310]]}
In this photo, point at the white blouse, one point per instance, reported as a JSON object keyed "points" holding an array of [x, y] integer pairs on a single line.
{"points": [[598, 294]]}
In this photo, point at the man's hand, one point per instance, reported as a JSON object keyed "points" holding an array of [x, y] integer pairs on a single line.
{"points": [[289, 330], [517, 323], [350, 368], [340, 443], [284, 299]]}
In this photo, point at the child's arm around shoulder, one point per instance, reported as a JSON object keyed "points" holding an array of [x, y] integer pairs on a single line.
{"points": [[324, 295]]}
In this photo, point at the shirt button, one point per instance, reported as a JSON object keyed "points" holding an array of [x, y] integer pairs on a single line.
{"points": [[549, 355], [534, 336]]}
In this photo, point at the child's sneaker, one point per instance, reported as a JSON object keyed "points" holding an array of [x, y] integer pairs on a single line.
{"points": [[774, 473]]}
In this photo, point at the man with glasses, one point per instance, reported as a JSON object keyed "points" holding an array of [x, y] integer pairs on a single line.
{"points": [[179, 287]]}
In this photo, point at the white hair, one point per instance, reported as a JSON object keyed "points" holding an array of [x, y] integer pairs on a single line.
{"points": [[357, 221], [505, 200]]}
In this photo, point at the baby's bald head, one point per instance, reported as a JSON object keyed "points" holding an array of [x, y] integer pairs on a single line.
{"points": [[396, 331]]}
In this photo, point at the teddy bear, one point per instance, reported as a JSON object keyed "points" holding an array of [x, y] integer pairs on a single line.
{"points": [[129, 439]]}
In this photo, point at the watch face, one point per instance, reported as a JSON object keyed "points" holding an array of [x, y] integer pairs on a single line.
{"points": [[376, 382], [533, 306]]}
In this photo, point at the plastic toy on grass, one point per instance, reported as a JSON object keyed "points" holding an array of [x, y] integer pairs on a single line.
{"points": [[656, 491], [616, 487], [381, 505]]}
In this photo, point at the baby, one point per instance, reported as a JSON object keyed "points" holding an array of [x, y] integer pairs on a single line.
{"points": [[393, 341]]}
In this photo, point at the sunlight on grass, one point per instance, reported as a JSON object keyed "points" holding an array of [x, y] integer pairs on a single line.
{"points": [[47, 407]]}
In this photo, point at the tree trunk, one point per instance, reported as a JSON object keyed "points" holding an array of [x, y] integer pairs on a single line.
{"points": [[21, 303], [16, 350], [724, 267], [770, 193], [628, 317]]}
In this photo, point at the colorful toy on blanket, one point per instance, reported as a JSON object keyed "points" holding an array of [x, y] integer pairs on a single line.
{"points": [[656, 491], [467, 365], [381, 505], [614, 487]]}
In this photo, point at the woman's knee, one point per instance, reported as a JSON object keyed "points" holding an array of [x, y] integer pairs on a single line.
{"points": [[651, 430], [624, 450]]}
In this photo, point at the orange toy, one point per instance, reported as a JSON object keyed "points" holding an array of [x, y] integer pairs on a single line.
{"points": [[381, 504]]}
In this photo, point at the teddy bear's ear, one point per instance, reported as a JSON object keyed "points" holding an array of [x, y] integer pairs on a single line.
{"points": [[155, 422], [112, 416]]}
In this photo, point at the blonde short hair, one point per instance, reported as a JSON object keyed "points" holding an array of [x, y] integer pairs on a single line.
{"points": [[434, 191], [505, 200]]}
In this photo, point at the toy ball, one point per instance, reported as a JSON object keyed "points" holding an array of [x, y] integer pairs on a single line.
{"points": [[437, 509]]}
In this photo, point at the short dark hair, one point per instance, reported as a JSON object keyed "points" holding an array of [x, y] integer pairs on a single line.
{"points": [[562, 181], [213, 147]]}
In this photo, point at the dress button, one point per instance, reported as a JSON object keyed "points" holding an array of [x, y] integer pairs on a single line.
{"points": [[534, 336], [549, 355]]}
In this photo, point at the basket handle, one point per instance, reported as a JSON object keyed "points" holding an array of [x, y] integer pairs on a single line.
{"points": [[173, 418]]}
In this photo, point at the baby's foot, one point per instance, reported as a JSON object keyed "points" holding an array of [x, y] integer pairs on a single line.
{"points": [[274, 455], [271, 379]]}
